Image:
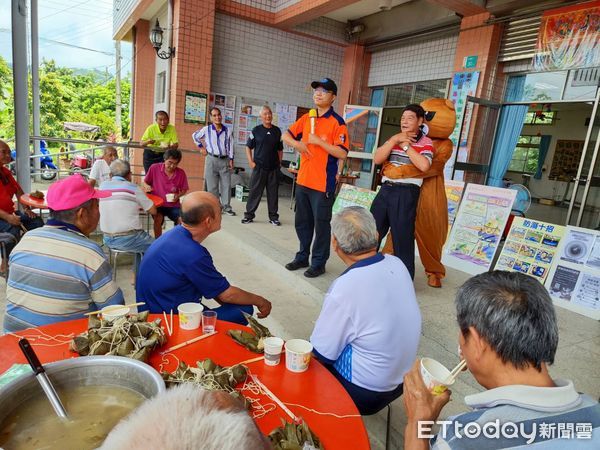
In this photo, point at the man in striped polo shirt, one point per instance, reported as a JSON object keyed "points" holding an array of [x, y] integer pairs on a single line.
{"points": [[56, 272], [395, 205], [508, 338], [120, 213]]}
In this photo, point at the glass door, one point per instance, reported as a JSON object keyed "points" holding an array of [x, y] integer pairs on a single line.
{"points": [[584, 207], [364, 124]]}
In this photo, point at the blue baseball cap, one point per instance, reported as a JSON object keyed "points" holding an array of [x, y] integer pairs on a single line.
{"points": [[325, 83]]}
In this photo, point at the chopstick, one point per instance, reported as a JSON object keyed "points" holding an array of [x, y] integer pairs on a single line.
{"points": [[171, 323], [191, 341], [274, 398], [251, 360], [167, 323], [113, 308], [454, 372]]}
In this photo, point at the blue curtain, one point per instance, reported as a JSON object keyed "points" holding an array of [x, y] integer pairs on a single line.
{"points": [[544, 146], [509, 130]]}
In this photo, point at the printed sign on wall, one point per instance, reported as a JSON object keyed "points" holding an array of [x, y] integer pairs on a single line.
{"points": [[454, 191], [478, 227], [530, 248], [574, 279]]}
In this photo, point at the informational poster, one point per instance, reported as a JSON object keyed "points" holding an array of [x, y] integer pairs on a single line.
{"points": [[454, 192], [226, 103], [350, 195], [220, 101], [195, 108], [478, 227], [463, 85], [242, 136], [230, 101], [530, 247], [284, 116], [228, 116], [574, 279]]}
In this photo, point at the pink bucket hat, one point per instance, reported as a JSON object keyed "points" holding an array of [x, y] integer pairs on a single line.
{"points": [[71, 192]]}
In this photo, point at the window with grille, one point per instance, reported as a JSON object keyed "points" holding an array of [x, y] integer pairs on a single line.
{"points": [[161, 84], [404, 94], [526, 154]]}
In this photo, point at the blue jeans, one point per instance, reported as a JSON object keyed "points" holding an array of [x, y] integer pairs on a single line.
{"points": [[136, 242], [28, 222]]}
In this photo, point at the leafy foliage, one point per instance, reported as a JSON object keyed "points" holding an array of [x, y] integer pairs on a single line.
{"points": [[66, 96]]}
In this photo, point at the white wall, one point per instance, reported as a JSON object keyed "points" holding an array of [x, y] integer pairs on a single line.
{"points": [[162, 65], [258, 62]]}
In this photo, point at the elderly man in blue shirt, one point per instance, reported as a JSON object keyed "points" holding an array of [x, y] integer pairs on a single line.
{"points": [[216, 143]]}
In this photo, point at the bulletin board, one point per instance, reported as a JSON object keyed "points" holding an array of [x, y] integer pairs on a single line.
{"points": [[565, 162]]}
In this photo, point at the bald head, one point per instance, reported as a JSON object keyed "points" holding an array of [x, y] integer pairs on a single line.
{"points": [[197, 206], [4, 145]]}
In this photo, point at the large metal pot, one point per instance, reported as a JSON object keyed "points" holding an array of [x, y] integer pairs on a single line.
{"points": [[84, 371]]}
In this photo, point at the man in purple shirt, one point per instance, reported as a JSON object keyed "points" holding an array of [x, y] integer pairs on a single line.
{"points": [[169, 182]]}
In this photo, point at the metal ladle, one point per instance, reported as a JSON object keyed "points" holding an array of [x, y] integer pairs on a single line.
{"points": [[40, 375]]}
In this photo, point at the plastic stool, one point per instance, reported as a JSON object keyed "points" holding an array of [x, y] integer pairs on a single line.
{"points": [[113, 255], [5, 239]]}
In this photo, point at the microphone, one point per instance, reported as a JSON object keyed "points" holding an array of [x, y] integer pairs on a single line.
{"points": [[312, 114]]}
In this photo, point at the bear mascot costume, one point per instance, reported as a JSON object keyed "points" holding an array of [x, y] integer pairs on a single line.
{"points": [[431, 226]]}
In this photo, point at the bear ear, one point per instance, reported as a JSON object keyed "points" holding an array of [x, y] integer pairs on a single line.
{"points": [[450, 104]]}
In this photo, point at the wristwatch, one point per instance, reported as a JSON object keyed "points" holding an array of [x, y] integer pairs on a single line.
{"points": [[405, 147]]}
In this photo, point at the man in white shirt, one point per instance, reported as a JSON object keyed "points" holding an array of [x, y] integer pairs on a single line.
{"points": [[101, 169], [120, 213], [216, 143], [368, 331]]}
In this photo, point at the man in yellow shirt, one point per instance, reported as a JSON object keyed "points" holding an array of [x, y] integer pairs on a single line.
{"points": [[160, 137]]}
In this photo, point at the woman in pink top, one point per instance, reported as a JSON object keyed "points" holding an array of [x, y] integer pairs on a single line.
{"points": [[169, 182]]}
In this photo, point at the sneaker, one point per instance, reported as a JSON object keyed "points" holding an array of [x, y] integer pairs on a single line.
{"points": [[275, 222], [295, 265], [314, 272], [229, 212], [247, 220]]}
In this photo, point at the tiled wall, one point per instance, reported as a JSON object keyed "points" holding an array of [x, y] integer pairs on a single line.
{"points": [[258, 62], [428, 59], [325, 28]]}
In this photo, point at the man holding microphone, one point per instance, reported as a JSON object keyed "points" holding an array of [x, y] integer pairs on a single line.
{"points": [[320, 138]]}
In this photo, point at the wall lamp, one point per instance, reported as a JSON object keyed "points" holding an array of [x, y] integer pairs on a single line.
{"points": [[156, 38]]}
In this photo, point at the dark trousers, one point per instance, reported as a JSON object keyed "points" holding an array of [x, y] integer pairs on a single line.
{"points": [[260, 179], [28, 222], [395, 207], [313, 217], [367, 402], [152, 157]]}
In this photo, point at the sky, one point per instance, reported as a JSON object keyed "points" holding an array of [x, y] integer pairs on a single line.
{"points": [[82, 23]]}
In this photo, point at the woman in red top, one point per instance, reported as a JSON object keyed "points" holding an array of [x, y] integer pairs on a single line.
{"points": [[11, 220]]}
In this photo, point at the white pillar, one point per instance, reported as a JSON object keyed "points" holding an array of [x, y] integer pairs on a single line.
{"points": [[35, 83], [19, 53]]}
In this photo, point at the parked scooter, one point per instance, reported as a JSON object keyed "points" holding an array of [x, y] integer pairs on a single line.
{"points": [[47, 168]]}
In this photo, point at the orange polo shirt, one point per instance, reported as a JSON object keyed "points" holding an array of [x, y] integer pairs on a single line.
{"points": [[319, 170]]}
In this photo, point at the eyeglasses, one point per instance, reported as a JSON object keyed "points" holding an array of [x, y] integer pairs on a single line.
{"points": [[321, 90]]}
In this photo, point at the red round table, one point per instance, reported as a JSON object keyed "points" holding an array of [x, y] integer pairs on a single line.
{"points": [[316, 388], [33, 202], [158, 201]]}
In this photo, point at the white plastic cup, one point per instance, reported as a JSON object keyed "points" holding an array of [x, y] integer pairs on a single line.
{"points": [[164, 144], [297, 355], [209, 321], [190, 315], [273, 347], [170, 198], [111, 313], [435, 376]]}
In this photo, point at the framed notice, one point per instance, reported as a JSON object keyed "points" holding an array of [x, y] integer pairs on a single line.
{"points": [[531, 248], [478, 227], [195, 107], [574, 278], [353, 196]]}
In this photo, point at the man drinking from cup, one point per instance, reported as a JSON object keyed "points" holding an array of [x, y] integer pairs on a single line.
{"points": [[508, 337]]}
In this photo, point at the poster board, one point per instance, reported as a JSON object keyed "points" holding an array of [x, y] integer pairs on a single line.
{"points": [[531, 248], [478, 227], [574, 278], [454, 191], [350, 195], [284, 116], [226, 103], [566, 160], [195, 108]]}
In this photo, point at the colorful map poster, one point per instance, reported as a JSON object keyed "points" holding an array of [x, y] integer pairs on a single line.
{"points": [[530, 248], [195, 108], [478, 227], [574, 278], [454, 192], [353, 196]]}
